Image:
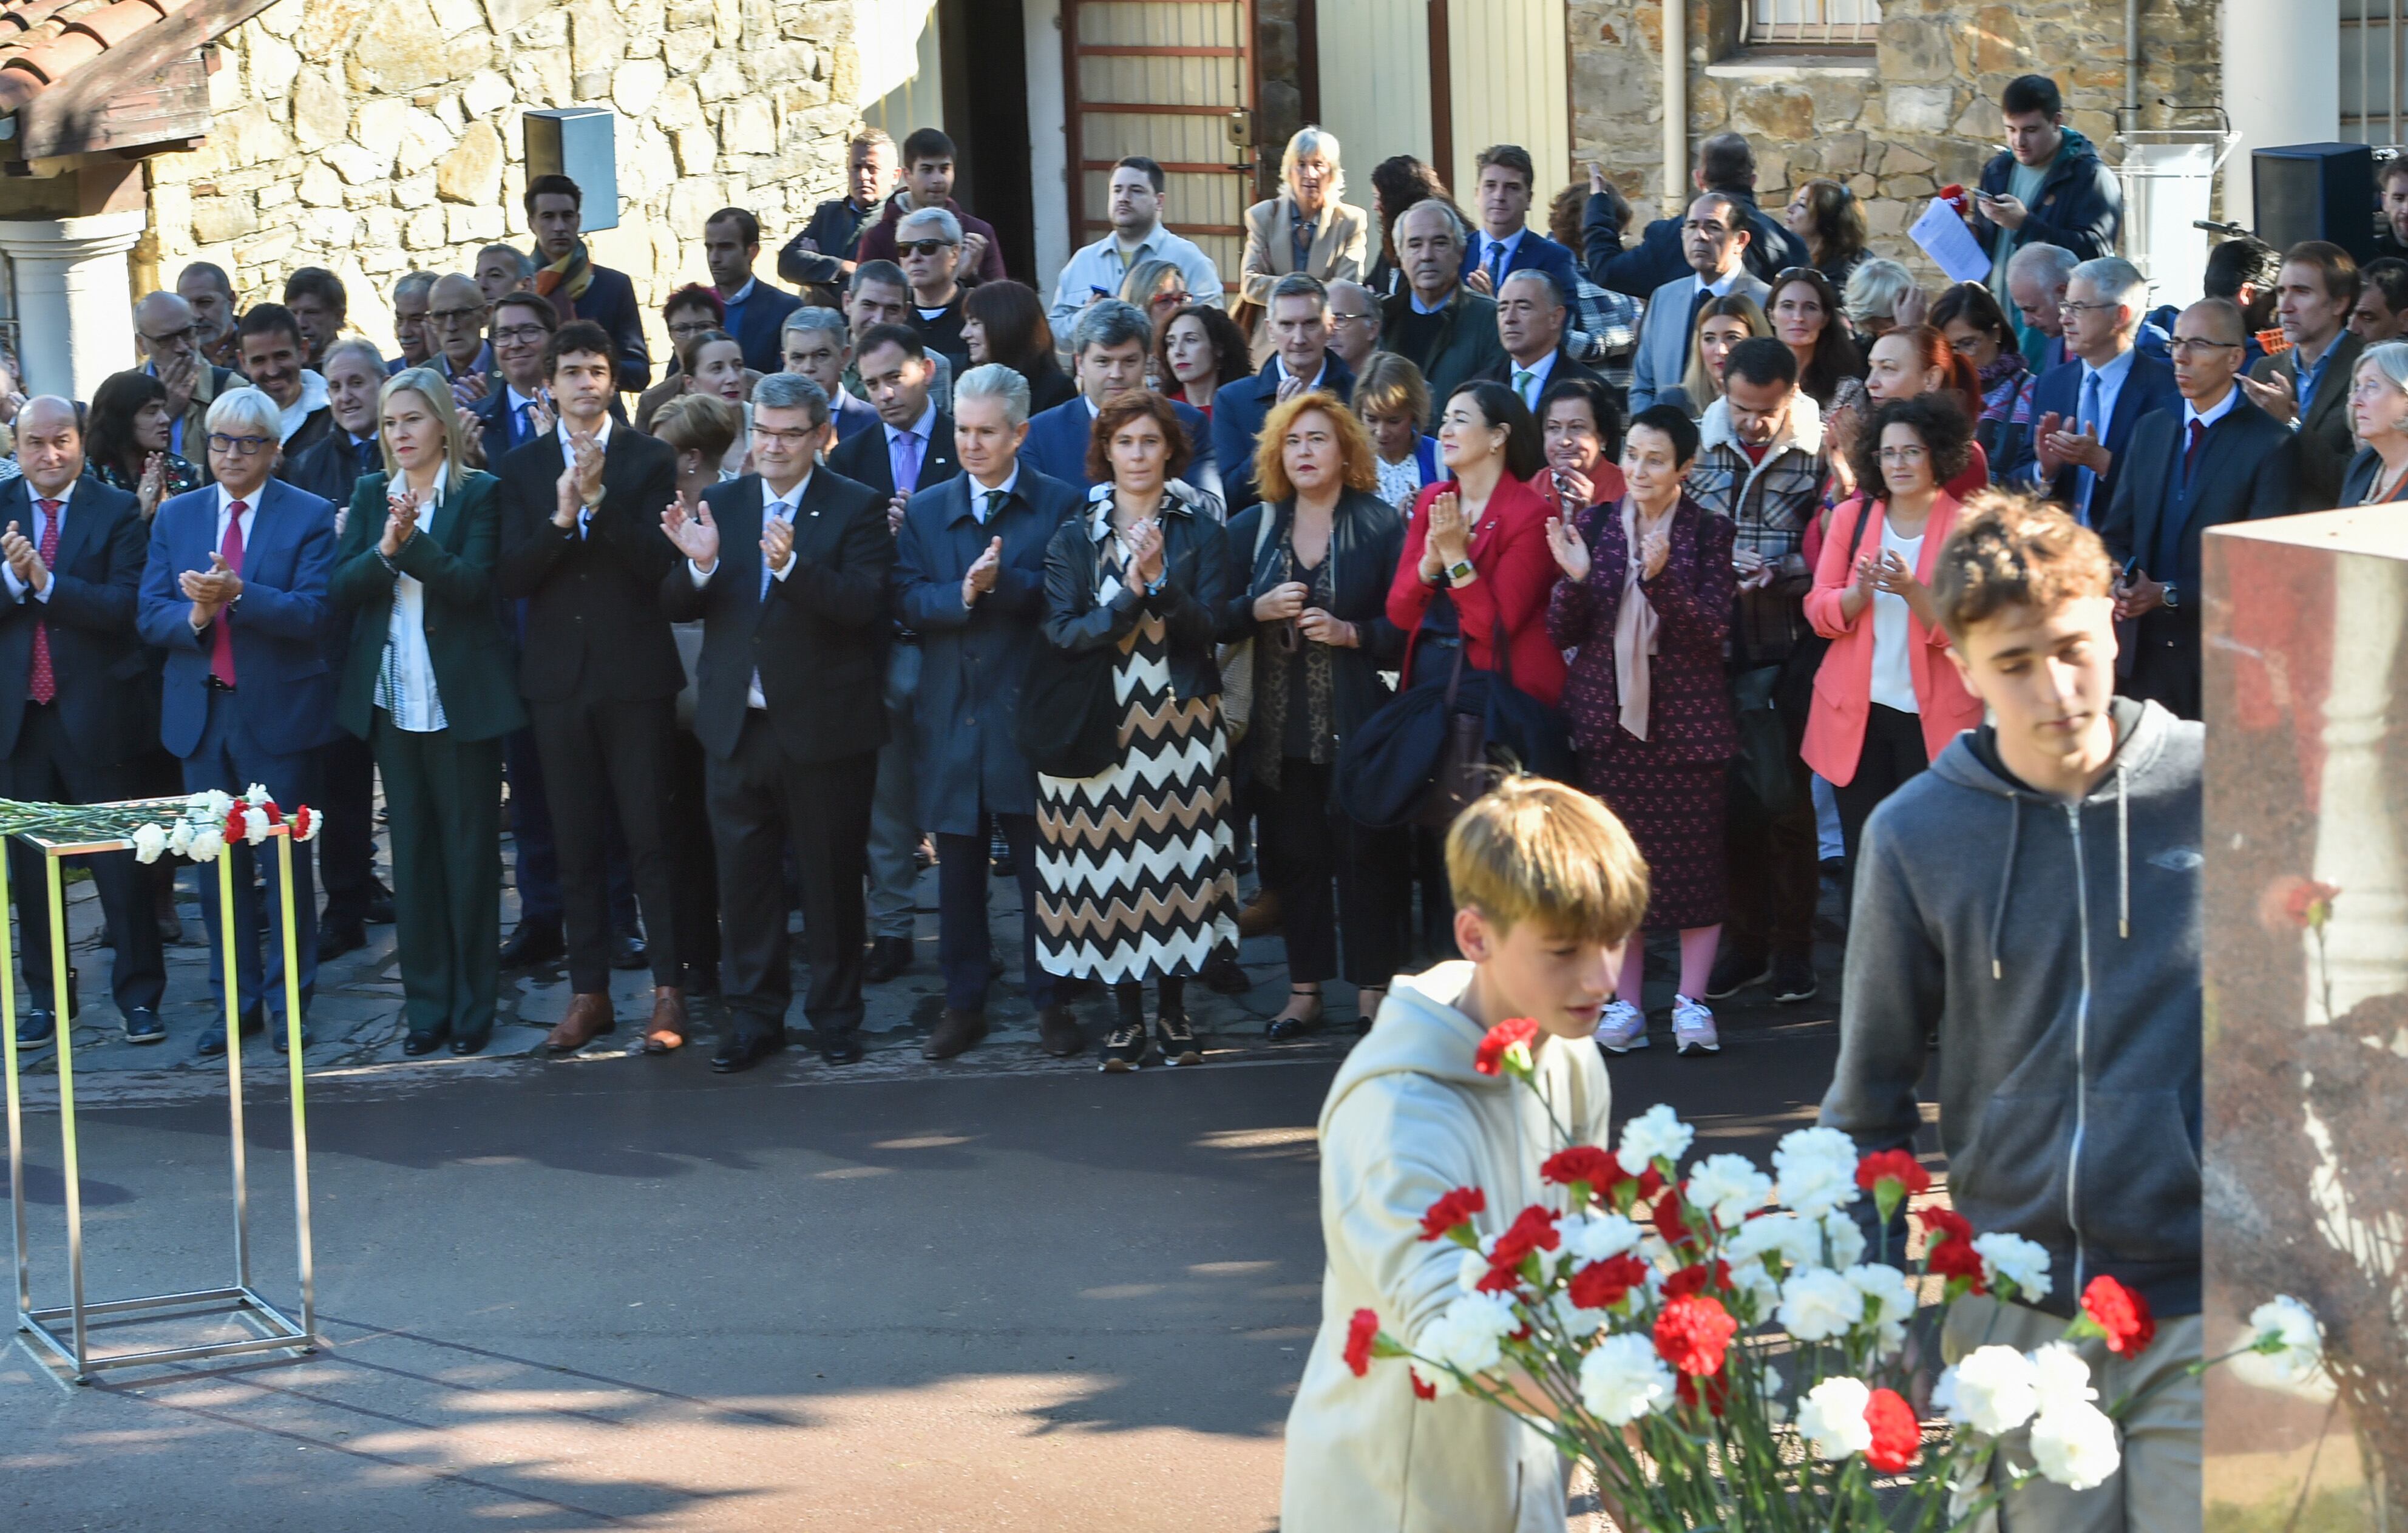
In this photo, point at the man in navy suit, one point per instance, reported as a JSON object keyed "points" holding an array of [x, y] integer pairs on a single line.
{"points": [[234, 590], [1506, 243], [1109, 344], [518, 411], [819, 346], [1301, 359], [2083, 409], [69, 722], [911, 450], [577, 288], [756, 312]]}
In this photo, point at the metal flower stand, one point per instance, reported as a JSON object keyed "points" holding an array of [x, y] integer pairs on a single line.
{"points": [[279, 1332]]}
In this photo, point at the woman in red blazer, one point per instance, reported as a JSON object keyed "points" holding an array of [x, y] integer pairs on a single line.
{"points": [[1887, 696], [1475, 559]]}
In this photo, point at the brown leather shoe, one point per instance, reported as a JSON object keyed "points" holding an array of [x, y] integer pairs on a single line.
{"points": [[589, 1017], [956, 1030], [1261, 916], [666, 1032], [1057, 1032]]}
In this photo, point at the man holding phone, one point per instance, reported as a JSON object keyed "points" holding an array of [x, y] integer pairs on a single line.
{"points": [[2046, 187]]}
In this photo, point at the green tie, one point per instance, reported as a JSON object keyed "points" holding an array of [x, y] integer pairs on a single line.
{"points": [[1522, 379]]}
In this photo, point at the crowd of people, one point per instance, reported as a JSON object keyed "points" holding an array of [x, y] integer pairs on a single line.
{"points": [[1120, 591]]}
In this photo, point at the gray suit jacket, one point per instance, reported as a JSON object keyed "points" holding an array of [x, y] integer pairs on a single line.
{"points": [[1663, 337]]}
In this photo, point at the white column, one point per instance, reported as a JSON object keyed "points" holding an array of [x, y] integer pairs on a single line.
{"points": [[2281, 83], [74, 320]]}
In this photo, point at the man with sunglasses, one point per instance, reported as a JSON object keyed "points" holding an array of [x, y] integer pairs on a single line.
{"points": [[169, 338], [927, 179], [930, 242]]}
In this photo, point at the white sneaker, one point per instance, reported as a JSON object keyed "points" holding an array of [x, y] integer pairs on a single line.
{"points": [[1620, 1028], [1692, 1027]]}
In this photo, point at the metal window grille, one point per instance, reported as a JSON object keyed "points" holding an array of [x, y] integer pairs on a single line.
{"points": [[1819, 24], [2372, 55]]}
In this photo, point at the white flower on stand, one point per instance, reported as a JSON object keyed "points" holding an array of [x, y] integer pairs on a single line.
{"points": [[1729, 1187], [2292, 1343], [1596, 1236], [1817, 1168], [2060, 1378], [1992, 1390], [214, 802], [254, 827], [1467, 1335], [256, 795], [179, 840], [208, 843], [2021, 1262], [1655, 1134], [1622, 1380], [149, 843], [1831, 1418], [2074, 1445], [1819, 1304]]}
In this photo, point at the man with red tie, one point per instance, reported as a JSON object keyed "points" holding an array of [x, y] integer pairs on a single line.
{"points": [[234, 590], [68, 727]]}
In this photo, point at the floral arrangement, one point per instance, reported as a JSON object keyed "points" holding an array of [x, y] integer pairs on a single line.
{"points": [[200, 829], [1639, 1332]]}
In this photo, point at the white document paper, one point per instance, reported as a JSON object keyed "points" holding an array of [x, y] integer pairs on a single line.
{"points": [[1943, 236]]}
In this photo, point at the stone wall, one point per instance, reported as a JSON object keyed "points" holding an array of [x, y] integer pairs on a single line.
{"points": [[375, 137], [1916, 114]]}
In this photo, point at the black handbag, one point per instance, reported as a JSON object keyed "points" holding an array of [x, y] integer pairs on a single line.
{"points": [[1432, 749], [1067, 725]]}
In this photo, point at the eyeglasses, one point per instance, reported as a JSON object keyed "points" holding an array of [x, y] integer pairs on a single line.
{"points": [[1365, 318], [2183, 346], [453, 316], [2067, 306], [511, 334], [785, 439], [1178, 296], [1903, 455], [241, 447], [926, 247], [173, 338], [691, 327]]}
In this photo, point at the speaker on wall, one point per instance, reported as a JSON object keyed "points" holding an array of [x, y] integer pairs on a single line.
{"points": [[580, 143], [2315, 191]]}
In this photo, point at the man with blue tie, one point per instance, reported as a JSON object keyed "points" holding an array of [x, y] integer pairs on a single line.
{"points": [[731, 242], [1506, 243], [234, 590], [516, 413], [911, 450], [2083, 409], [69, 722]]}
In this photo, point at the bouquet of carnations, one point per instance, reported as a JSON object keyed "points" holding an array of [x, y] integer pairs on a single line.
{"points": [[1645, 1332], [215, 820]]}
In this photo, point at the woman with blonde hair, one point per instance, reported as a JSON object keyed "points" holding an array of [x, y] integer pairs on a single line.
{"points": [[430, 684], [1307, 227], [1393, 401], [703, 428], [1723, 324], [1309, 568], [1880, 296]]}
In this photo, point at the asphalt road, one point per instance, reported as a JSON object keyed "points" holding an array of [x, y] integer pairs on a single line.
{"points": [[626, 1293]]}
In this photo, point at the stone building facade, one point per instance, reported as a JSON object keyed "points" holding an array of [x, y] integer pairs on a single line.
{"points": [[1915, 112], [375, 137]]}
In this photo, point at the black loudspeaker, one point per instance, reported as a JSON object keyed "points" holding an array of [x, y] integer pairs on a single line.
{"points": [[2315, 191]]}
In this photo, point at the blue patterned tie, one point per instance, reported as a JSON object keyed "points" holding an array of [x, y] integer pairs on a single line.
{"points": [[2088, 421]]}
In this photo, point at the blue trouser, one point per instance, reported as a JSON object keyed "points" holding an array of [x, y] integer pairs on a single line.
{"points": [[895, 812], [230, 758], [962, 914]]}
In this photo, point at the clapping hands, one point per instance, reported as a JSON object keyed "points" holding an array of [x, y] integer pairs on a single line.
{"points": [[695, 534]]}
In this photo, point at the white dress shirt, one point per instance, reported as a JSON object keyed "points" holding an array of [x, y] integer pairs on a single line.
{"points": [[406, 674], [33, 499], [980, 494], [782, 507], [568, 455], [1538, 372]]}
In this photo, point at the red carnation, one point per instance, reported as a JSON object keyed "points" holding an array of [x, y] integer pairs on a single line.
{"points": [[1533, 1229], [1697, 1279], [1671, 1222], [1651, 1181], [275, 815], [1455, 1208], [301, 821], [1948, 1247], [1717, 1391], [233, 823], [1941, 1224], [1692, 1333], [1504, 1036], [1898, 1166], [1422, 1391], [1603, 1284], [1898, 1437], [1583, 1163], [1361, 1332], [2120, 1313]]}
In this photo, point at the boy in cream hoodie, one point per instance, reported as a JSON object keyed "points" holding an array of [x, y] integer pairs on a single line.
{"points": [[1548, 889]]}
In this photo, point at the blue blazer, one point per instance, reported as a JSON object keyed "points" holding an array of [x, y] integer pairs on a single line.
{"points": [[95, 657], [759, 329], [2149, 386], [1237, 412], [1533, 251], [852, 413], [1057, 442], [285, 686]]}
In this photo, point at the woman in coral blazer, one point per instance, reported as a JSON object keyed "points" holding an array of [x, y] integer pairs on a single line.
{"points": [[1888, 697]]}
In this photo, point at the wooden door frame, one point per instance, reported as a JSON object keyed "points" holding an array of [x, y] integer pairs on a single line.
{"points": [[1442, 99]]}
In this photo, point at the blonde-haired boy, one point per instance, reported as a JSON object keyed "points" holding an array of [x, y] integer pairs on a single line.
{"points": [[1548, 888]]}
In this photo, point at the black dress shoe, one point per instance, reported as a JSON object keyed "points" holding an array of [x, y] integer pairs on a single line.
{"points": [[840, 1048], [36, 1028], [335, 939], [627, 950], [142, 1026], [379, 906], [422, 1043], [470, 1045], [889, 958], [212, 1040], [701, 979], [738, 1054], [278, 1036], [1223, 974], [533, 943]]}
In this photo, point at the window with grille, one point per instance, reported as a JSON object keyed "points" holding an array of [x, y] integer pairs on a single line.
{"points": [[1814, 23]]}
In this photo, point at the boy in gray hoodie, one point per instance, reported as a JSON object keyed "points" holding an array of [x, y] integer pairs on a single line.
{"points": [[2035, 898]]}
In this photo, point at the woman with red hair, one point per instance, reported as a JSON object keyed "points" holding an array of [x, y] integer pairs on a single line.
{"points": [[1907, 364]]}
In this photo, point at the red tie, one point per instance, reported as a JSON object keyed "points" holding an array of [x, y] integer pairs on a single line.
{"points": [[2190, 453], [43, 685], [222, 631]]}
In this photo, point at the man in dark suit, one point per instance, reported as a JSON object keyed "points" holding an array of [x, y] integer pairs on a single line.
{"points": [[1435, 320], [514, 413], [822, 256], [1298, 317], [1530, 325], [269, 339], [731, 242], [970, 576], [580, 289], [2218, 459], [1505, 242], [582, 543], [233, 588], [2085, 408], [69, 723], [1109, 343], [787, 568], [2307, 387], [819, 346], [911, 450], [1725, 164]]}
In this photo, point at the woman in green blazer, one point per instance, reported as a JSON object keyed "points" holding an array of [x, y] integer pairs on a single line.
{"points": [[430, 684]]}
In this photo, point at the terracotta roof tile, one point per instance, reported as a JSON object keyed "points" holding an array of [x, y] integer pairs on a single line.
{"points": [[43, 41]]}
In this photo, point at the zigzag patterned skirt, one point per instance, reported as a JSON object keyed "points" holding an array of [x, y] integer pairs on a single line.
{"points": [[1136, 865]]}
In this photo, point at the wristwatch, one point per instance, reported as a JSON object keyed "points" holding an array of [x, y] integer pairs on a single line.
{"points": [[1459, 571], [2166, 596]]}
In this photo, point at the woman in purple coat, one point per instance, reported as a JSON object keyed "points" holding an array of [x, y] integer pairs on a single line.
{"points": [[1646, 599]]}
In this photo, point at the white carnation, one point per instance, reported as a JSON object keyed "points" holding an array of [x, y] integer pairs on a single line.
{"points": [[2074, 1445], [1831, 1418], [1843, 1239], [149, 843], [254, 827], [2017, 1260], [256, 795], [1569, 1319], [180, 840], [1595, 1237], [1817, 1168], [208, 842], [1729, 1187], [1797, 1243], [1889, 1302], [1818, 1304], [1473, 1266], [1655, 1134], [2294, 1363], [1758, 1290], [1991, 1390], [1467, 1333], [1622, 1380], [2060, 1378]]}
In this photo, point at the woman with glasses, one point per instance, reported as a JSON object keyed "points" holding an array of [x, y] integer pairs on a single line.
{"points": [[1197, 351], [2378, 412], [1580, 431], [1158, 290], [1803, 308], [1309, 568], [1830, 218], [1911, 364], [1307, 227], [1888, 697], [1723, 324], [125, 440], [429, 684], [1004, 323], [1973, 324]]}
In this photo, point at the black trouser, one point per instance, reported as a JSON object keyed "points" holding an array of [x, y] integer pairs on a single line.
{"points": [[347, 844], [444, 795], [1893, 752], [1774, 860], [537, 871], [46, 768], [2165, 664], [1372, 869], [595, 755], [962, 873], [759, 801], [698, 872]]}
